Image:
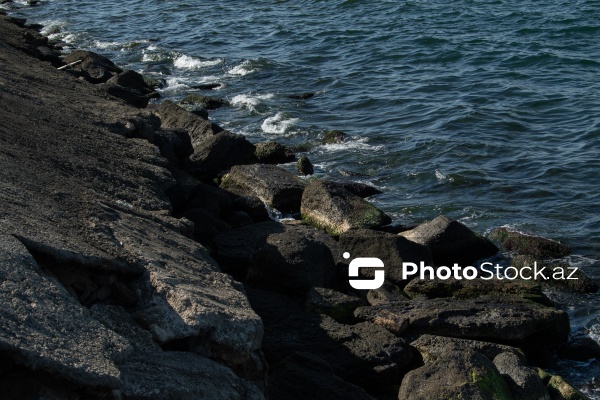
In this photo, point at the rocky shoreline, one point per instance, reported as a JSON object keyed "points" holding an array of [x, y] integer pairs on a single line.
{"points": [[139, 262]]}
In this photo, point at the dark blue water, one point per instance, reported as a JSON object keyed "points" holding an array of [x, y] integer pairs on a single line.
{"points": [[487, 111]]}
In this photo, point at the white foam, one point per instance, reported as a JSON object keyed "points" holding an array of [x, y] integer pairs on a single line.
{"points": [[354, 144], [242, 69], [278, 123], [175, 85], [186, 62], [443, 177], [250, 101]]}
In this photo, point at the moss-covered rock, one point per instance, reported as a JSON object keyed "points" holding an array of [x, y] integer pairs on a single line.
{"points": [[333, 137], [559, 389], [304, 166], [536, 246]]}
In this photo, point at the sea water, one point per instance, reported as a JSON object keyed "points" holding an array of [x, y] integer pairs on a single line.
{"points": [[487, 111]]}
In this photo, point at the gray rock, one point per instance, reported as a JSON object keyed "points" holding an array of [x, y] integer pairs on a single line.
{"points": [[536, 246], [207, 102], [44, 329], [219, 152], [523, 381], [174, 144], [462, 375], [392, 249], [173, 116], [451, 242], [432, 347], [361, 189], [131, 87], [338, 306], [275, 186], [305, 376], [304, 166], [93, 67], [387, 293], [273, 153], [484, 318], [329, 206], [292, 261], [178, 375]]}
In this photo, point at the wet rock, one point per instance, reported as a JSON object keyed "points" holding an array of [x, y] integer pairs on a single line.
{"points": [[207, 102], [558, 275], [485, 318], [206, 86], [334, 137], [451, 242], [275, 186], [93, 67], [364, 354], [174, 144], [302, 96], [329, 206], [338, 306], [432, 347], [469, 289], [273, 153], [464, 375], [535, 246], [173, 116], [361, 189], [304, 166], [178, 375], [220, 152], [580, 349], [392, 249], [292, 261], [131, 87], [305, 376], [522, 380]]}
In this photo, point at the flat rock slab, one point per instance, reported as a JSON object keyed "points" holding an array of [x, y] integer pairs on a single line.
{"points": [[483, 318], [44, 328], [275, 186]]}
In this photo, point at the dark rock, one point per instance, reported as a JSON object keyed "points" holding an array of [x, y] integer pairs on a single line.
{"points": [[469, 289], [93, 67], [273, 153], [174, 144], [215, 200], [50, 55], [220, 152], [580, 349], [302, 96], [304, 376], [523, 381], [338, 306], [207, 102], [555, 274], [329, 206], [361, 189], [253, 206], [451, 242], [392, 249], [304, 166], [461, 375], [333, 137], [432, 347], [131, 87], [559, 389], [275, 186], [239, 218], [506, 320], [197, 110], [387, 293], [206, 86], [292, 261], [173, 116], [273, 308], [184, 189], [364, 354], [206, 225], [536, 246]]}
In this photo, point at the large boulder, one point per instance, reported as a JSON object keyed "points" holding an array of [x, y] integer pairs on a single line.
{"points": [[455, 375], [173, 116], [131, 87], [559, 275], [535, 246], [220, 152], [503, 320], [174, 144], [329, 206], [275, 186], [273, 153], [392, 249], [92, 67], [451, 242], [522, 380]]}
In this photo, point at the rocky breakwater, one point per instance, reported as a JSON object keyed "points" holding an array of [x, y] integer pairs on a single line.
{"points": [[138, 261]]}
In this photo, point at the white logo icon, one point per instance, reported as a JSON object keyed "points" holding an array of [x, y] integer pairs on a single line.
{"points": [[365, 262]]}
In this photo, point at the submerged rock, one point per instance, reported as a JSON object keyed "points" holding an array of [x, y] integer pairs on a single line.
{"points": [[331, 207], [334, 137]]}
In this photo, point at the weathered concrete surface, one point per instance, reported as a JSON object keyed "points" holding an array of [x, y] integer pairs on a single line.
{"points": [[82, 197]]}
